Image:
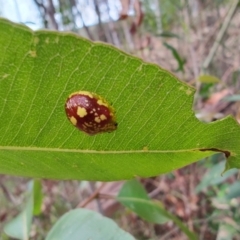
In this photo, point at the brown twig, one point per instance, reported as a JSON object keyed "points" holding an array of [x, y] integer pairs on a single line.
{"points": [[51, 12], [8, 195], [86, 28], [93, 196], [220, 35]]}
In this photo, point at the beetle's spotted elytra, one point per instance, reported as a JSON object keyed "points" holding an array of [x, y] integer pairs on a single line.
{"points": [[90, 113]]}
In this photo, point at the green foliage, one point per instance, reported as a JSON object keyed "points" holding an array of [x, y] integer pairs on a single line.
{"points": [[208, 79], [168, 35], [88, 225], [20, 226], [214, 177], [181, 61], [78, 222], [134, 196], [235, 76], [232, 98], [37, 197], [205, 90], [168, 11], [223, 217], [157, 132]]}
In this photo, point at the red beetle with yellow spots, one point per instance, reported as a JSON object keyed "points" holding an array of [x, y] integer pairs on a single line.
{"points": [[90, 113]]}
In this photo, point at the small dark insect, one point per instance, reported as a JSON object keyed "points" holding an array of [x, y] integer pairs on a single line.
{"points": [[90, 113]]}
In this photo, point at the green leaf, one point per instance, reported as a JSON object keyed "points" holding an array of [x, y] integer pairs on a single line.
{"points": [[133, 196], [157, 129], [232, 98], [208, 79], [85, 224], [168, 35], [37, 196], [235, 77], [130, 193], [176, 55], [20, 226], [233, 190], [213, 177]]}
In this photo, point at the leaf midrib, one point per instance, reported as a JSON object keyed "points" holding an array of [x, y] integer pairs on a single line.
{"points": [[92, 151]]}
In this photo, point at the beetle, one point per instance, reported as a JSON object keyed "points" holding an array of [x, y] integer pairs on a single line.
{"points": [[90, 113]]}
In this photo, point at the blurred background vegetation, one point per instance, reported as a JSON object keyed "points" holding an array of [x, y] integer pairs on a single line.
{"points": [[197, 40]]}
